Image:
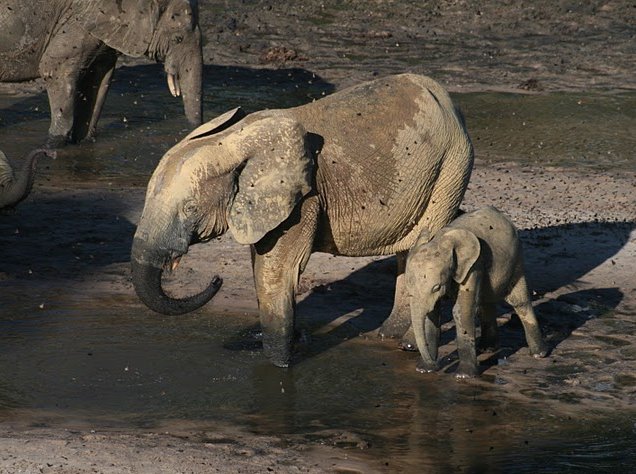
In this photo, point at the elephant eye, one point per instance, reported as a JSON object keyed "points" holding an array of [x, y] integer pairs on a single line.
{"points": [[436, 288], [178, 39], [189, 208]]}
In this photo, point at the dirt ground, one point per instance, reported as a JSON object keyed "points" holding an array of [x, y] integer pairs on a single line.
{"points": [[578, 227]]}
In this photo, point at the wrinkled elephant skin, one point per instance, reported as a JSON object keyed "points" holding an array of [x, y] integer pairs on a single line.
{"points": [[74, 45], [361, 172]]}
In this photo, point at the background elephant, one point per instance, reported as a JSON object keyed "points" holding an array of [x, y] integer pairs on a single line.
{"points": [[477, 257], [74, 45], [361, 172], [16, 185]]}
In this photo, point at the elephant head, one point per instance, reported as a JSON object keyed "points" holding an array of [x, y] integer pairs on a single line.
{"points": [[164, 30], [236, 173], [16, 185], [430, 269], [432, 266]]}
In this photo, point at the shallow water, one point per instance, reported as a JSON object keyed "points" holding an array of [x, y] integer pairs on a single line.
{"points": [[583, 130], [107, 361]]}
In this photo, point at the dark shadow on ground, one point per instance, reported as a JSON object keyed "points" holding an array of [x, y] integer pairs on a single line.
{"points": [[555, 257], [141, 95], [65, 237], [558, 317]]}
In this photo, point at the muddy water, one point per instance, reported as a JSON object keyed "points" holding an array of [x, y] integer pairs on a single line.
{"points": [[107, 362], [594, 131], [70, 356]]}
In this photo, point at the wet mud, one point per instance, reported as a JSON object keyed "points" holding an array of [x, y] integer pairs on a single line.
{"points": [[84, 364]]}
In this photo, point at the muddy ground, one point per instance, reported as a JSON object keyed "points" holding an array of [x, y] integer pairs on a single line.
{"points": [[577, 226]]}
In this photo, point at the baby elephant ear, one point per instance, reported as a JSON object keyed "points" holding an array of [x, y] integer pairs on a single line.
{"points": [[125, 25], [277, 175], [466, 248]]}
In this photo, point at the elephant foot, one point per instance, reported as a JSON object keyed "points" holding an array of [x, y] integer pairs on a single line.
{"points": [[395, 326], [426, 367], [279, 353], [467, 371], [279, 360], [539, 350], [90, 136], [488, 345], [408, 341]]}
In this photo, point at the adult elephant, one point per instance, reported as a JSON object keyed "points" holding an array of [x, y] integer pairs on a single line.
{"points": [[74, 44], [361, 172]]}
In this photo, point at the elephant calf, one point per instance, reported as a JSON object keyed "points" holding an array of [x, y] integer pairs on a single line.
{"points": [[481, 254]]}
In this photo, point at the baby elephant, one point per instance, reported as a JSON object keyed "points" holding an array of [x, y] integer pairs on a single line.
{"points": [[481, 252]]}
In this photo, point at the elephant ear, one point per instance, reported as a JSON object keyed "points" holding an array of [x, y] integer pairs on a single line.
{"points": [[466, 248], [217, 124], [125, 25], [277, 174]]}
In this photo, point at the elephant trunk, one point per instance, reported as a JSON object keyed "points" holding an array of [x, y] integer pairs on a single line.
{"points": [[20, 187], [147, 269], [185, 80], [425, 335]]}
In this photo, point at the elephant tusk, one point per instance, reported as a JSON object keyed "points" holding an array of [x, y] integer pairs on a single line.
{"points": [[173, 85], [175, 264]]}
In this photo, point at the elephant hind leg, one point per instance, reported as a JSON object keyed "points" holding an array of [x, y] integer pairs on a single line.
{"points": [[278, 261], [519, 299], [489, 340], [398, 322], [91, 94], [442, 207]]}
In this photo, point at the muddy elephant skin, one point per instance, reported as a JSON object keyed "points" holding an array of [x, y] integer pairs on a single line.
{"points": [[363, 171], [74, 45], [477, 259]]}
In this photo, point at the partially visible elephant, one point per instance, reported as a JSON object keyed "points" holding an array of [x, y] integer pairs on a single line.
{"points": [[15, 186], [477, 257], [74, 44], [360, 172]]}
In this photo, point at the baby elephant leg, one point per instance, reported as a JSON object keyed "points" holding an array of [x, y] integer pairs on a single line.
{"points": [[489, 340], [464, 316], [519, 299], [408, 342]]}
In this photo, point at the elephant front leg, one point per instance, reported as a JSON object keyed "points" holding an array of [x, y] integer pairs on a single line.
{"points": [[278, 260], [66, 56], [61, 95], [464, 313], [276, 308], [398, 322]]}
